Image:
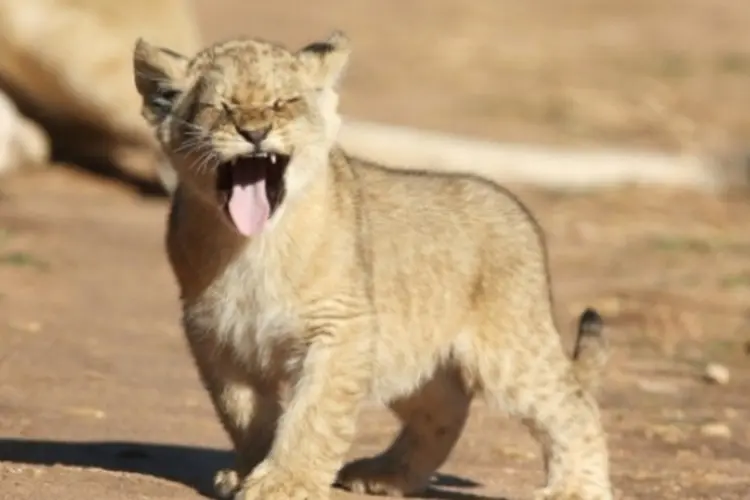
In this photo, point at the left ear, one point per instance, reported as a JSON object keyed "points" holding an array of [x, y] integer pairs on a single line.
{"points": [[158, 74], [324, 62]]}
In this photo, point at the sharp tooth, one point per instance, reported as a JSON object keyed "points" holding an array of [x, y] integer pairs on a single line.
{"points": [[273, 159]]}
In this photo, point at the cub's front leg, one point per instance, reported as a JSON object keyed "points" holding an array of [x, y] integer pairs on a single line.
{"points": [[248, 410], [318, 425]]}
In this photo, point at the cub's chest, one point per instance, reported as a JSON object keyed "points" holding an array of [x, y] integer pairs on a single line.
{"points": [[247, 307]]}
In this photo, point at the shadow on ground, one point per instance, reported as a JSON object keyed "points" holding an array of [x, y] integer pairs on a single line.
{"points": [[189, 465]]}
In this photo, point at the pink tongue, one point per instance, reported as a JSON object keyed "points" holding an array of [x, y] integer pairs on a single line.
{"points": [[248, 207]]}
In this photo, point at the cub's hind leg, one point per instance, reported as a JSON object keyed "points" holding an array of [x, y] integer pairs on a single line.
{"points": [[248, 412], [538, 383], [432, 421]]}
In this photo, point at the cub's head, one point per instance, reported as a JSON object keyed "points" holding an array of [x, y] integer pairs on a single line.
{"points": [[245, 122]]}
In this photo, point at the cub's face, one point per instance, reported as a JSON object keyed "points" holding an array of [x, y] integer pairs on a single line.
{"points": [[246, 123]]}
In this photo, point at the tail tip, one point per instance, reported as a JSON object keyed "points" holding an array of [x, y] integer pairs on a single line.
{"points": [[591, 322]]}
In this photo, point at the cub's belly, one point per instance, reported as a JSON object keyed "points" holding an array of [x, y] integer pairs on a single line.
{"points": [[402, 367]]}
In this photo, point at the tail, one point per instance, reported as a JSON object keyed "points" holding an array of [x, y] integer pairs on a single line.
{"points": [[591, 350]]}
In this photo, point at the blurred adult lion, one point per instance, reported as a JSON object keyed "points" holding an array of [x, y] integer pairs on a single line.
{"points": [[68, 65]]}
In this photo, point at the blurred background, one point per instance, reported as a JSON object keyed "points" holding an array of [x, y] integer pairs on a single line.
{"points": [[668, 74], [98, 397]]}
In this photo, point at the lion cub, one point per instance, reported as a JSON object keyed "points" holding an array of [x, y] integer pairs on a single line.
{"points": [[307, 272]]}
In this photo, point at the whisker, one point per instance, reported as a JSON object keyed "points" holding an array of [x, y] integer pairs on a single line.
{"points": [[192, 143], [206, 157]]}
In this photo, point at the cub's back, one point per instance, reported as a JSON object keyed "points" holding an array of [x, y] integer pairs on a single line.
{"points": [[457, 212], [436, 238]]}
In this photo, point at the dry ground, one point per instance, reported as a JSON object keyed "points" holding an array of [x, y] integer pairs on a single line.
{"points": [[98, 398]]}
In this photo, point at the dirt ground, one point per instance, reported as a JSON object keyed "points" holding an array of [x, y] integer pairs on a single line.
{"points": [[98, 397]]}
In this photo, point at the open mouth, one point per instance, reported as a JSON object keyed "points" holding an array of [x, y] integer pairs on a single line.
{"points": [[251, 188]]}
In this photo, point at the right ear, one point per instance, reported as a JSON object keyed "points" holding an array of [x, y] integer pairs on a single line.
{"points": [[159, 77], [325, 61]]}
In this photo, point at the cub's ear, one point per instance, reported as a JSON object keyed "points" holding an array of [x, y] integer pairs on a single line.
{"points": [[159, 78], [324, 62]]}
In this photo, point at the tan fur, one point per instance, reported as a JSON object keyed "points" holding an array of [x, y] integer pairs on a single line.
{"points": [[22, 142], [419, 290], [68, 63]]}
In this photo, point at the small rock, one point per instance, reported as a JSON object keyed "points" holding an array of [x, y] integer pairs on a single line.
{"points": [[731, 413], [716, 374], [26, 326], [658, 386], [716, 429], [669, 433], [87, 412]]}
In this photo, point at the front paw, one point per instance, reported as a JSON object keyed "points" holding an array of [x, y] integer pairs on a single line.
{"points": [[273, 484], [226, 483], [593, 492]]}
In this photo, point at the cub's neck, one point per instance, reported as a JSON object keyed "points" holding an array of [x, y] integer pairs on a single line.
{"points": [[201, 242]]}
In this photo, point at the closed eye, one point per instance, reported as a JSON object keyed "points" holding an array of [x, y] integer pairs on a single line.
{"points": [[164, 99], [280, 104]]}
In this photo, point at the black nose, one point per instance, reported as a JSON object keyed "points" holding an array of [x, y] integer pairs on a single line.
{"points": [[256, 136]]}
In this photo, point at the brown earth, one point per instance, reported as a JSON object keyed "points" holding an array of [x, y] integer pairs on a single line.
{"points": [[98, 398]]}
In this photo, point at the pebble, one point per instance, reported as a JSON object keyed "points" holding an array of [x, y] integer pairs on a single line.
{"points": [[655, 386], [716, 429], [716, 374]]}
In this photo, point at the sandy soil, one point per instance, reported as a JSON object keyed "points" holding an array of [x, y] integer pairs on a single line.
{"points": [[98, 398]]}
